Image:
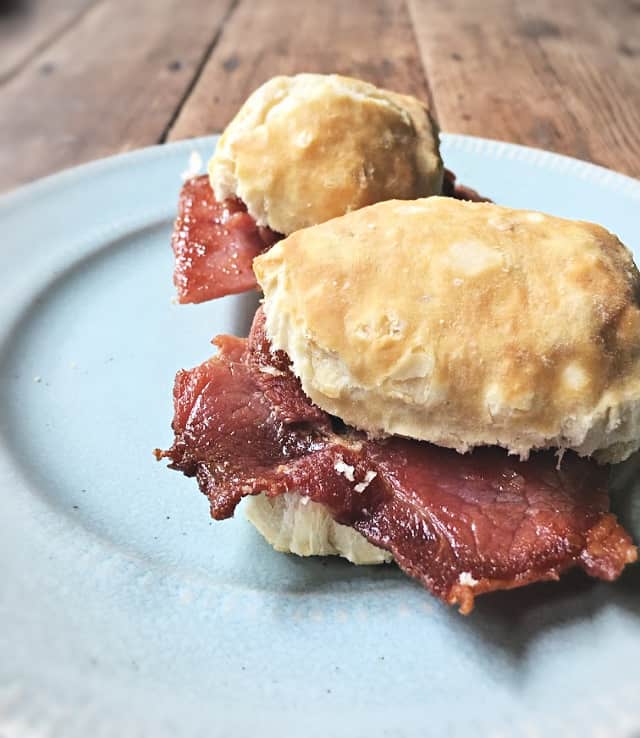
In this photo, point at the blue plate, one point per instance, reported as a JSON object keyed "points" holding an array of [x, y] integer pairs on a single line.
{"points": [[124, 611]]}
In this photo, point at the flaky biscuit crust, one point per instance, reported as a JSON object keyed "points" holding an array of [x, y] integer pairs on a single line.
{"points": [[463, 324], [308, 148]]}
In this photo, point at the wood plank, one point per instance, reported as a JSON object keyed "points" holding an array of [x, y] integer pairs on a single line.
{"points": [[112, 83], [370, 39], [557, 75], [27, 27]]}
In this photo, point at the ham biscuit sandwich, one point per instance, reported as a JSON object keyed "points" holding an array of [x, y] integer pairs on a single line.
{"points": [[300, 151], [440, 382]]}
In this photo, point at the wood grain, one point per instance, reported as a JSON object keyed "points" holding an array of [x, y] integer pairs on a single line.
{"points": [[370, 39], [112, 83], [27, 27], [87, 78], [557, 75]]}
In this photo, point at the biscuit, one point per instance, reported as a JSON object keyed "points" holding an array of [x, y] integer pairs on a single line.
{"points": [[307, 148], [463, 324]]}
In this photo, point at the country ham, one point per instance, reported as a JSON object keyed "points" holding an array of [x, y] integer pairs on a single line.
{"points": [[451, 188], [214, 243], [463, 525]]}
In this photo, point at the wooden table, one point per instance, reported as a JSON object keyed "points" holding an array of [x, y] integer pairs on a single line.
{"points": [[80, 79]]}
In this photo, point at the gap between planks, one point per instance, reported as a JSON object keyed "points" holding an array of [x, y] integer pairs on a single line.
{"points": [[198, 72], [370, 39]]}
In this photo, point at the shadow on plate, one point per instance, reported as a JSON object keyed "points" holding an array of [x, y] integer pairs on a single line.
{"points": [[513, 620], [247, 306]]}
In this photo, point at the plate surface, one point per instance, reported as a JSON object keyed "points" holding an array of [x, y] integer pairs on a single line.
{"points": [[125, 611]]}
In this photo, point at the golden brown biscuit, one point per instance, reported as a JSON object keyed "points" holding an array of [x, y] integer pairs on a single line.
{"points": [[463, 324], [307, 148]]}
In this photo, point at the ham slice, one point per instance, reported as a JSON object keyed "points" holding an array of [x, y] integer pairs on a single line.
{"points": [[460, 524], [214, 243], [450, 188]]}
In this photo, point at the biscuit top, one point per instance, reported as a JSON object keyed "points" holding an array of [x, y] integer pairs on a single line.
{"points": [[308, 148], [463, 324]]}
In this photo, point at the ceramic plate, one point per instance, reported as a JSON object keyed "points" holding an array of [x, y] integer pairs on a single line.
{"points": [[125, 611]]}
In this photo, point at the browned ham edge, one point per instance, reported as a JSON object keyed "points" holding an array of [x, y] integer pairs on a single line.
{"points": [[214, 243], [462, 525]]}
